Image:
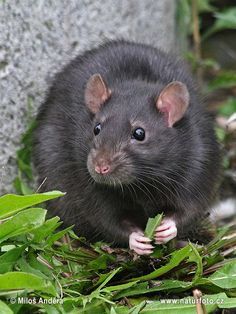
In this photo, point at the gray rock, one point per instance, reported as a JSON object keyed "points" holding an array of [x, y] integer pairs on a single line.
{"points": [[38, 37]]}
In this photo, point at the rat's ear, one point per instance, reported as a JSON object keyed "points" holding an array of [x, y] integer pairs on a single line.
{"points": [[96, 93], [173, 101]]}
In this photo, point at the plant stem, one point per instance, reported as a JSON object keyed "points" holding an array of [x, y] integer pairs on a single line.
{"points": [[197, 39]]}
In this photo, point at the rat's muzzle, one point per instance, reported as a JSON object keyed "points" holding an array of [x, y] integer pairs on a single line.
{"points": [[108, 168]]}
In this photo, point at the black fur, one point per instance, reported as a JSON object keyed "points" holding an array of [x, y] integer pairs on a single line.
{"points": [[175, 170]]}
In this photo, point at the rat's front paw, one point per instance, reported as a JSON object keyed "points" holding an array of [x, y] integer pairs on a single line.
{"points": [[140, 244], [166, 231]]}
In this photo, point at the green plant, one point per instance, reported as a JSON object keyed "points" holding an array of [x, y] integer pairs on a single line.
{"points": [[38, 272]]}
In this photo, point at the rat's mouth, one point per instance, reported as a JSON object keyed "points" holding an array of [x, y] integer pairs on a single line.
{"points": [[104, 179], [117, 178], [114, 175]]}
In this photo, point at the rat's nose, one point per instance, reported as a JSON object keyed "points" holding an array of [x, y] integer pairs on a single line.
{"points": [[102, 168]]}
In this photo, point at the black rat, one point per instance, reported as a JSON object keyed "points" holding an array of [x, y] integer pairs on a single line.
{"points": [[123, 132]]}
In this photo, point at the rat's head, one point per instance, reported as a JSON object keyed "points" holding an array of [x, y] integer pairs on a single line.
{"points": [[129, 120]]}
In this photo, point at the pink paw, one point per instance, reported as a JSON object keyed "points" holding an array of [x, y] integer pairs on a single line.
{"points": [[140, 244], [166, 231]]}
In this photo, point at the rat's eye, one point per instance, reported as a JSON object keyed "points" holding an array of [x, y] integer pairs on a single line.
{"points": [[97, 129], [139, 134]]}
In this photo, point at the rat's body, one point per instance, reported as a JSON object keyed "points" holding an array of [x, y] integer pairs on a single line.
{"points": [[116, 179]]}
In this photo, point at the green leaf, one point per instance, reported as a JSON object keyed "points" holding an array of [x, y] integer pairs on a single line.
{"points": [[225, 277], [34, 263], [57, 236], [159, 251], [101, 262], [157, 307], [225, 79], [8, 259], [22, 222], [4, 308], [204, 6], [213, 244], [56, 309], [212, 259], [145, 287], [151, 226], [224, 20], [113, 311], [101, 279], [228, 108], [176, 258], [226, 303], [11, 203], [26, 268], [221, 134], [138, 308], [24, 153], [196, 258], [24, 167], [46, 229], [111, 275], [120, 287], [22, 281], [21, 187]]}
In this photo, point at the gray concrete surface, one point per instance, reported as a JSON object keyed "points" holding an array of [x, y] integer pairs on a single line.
{"points": [[38, 37]]}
